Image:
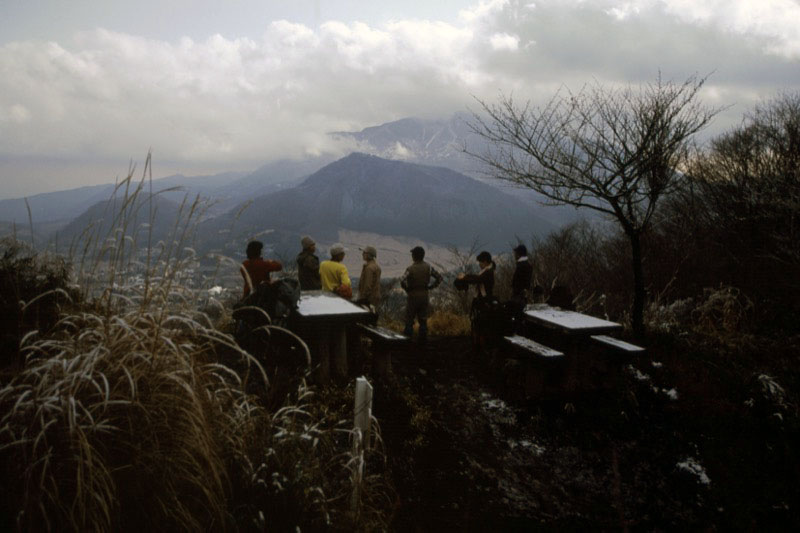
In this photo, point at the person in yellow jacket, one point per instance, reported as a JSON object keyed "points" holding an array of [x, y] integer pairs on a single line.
{"points": [[333, 273]]}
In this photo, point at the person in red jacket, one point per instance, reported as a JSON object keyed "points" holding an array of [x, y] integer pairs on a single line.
{"points": [[254, 269]]}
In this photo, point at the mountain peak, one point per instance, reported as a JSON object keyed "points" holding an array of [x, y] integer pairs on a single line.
{"points": [[437, 142], [363, 192]]}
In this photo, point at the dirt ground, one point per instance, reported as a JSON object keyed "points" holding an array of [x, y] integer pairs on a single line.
{"points": [[468, 452]]}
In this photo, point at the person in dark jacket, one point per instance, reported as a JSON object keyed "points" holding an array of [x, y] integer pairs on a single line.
{"points": [[521, 280], [483, 280], [255, 270], [482, 314], [308, 266], [416, 281]]}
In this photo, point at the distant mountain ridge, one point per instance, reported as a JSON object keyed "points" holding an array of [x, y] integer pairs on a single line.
{"points": [[369, 207], [445, 143], [97, 222], [68, 204], [363, 192]]}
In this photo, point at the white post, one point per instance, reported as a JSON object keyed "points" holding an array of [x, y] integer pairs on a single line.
{"points": [[362, 415], [363, 408]]}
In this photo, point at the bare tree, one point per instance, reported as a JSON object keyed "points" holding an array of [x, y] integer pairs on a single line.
{"points": [[617, 151], [748, 188]]}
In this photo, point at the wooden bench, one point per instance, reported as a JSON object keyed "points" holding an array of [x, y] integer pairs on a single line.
{"points": [[543, 365], [605, 357], [618, 347], [384, 340], [526, 345]]}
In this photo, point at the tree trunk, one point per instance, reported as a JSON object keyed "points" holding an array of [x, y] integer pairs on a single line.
{"points": [[637, 313]]}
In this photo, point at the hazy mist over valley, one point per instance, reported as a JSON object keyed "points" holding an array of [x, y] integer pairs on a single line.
{"points": [[410, 188]]}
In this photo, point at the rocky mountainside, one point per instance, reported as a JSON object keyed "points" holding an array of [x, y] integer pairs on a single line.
{"points": [[367, 193], [429, 142]]}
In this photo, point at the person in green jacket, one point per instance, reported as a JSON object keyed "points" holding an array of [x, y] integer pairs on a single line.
{"points": [[369, 284], [308, 266], [417, 280]]}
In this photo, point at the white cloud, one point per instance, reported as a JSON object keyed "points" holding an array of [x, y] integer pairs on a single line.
{"points": [[623, 11], [777, 20], [504, 41], [482, 10], [236, 102], [15, 114]]}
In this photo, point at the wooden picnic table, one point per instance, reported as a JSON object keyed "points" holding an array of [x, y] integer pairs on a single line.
{"points": [[322, 320], [571, 333], [569, 322]]}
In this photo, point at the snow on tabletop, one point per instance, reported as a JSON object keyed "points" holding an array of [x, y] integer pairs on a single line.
{"points": [[570, 320], [321, 304]]}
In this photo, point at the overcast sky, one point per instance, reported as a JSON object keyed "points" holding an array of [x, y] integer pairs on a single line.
{"points": [[86, 86]]}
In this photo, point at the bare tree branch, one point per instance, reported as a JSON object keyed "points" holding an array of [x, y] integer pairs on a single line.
{"points": [[614, 150]]}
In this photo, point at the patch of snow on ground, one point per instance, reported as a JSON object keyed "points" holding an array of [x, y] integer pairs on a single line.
{"points": [[693, 467], [493, 403], [526, 445], [498, 413], [497, 406], [641, 376], [671, 393]]}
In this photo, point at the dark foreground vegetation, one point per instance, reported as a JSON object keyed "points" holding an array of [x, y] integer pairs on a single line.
{"points": [[130, 406]]}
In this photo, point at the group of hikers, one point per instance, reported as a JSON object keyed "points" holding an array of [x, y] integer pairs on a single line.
{"points": [[418, 279]]}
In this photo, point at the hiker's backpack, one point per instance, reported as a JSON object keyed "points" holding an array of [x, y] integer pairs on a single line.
{"points": [[285, 295], [278, 298]]}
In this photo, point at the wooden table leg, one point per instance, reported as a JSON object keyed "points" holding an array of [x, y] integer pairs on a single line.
{"points": [[339, 352], [318, 340], [322, 349], [381, 361], [355, 351], [534, 380]]}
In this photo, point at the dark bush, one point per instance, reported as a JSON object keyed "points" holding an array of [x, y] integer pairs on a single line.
{"points": [[736, 221], [32, 286], [594, 264]]}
